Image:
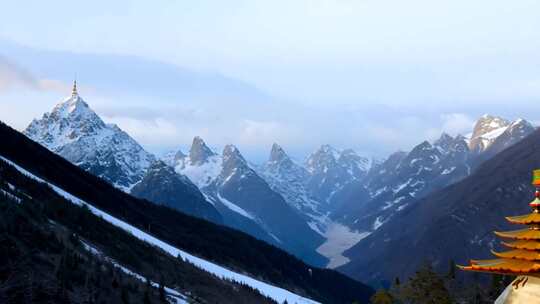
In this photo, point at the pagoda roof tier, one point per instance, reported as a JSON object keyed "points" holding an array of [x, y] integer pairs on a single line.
{"points": [[504, 266], [523, 244], [527, 219], [521, 234], [522, 254]]}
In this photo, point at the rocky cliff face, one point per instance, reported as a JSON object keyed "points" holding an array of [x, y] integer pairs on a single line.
{"points": [[330, 170], [162, 185]]}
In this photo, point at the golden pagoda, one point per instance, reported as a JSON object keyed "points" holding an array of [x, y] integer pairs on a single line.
{"points": [[523, 258]]}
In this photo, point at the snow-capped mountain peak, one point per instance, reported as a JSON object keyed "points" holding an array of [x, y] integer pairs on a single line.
{"points": [[277, 154], [67, 122], [521, 122], [289, 179], [199, 152], [491, 121], [179, 155], [488, 123], [490, 130], [233, 161], [355, 164], [73, 105], [519, 127], [74, 131], [510, 135], [202, 166], [279, 162], [232, 152], [330, 170], [444, 142], [423, 156], [326, 156]]}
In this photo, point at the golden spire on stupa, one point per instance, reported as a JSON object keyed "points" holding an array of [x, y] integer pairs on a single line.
{"points": [[74, 92]]}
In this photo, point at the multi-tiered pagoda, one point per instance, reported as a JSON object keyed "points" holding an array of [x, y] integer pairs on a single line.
{"points": [[523, 258]]}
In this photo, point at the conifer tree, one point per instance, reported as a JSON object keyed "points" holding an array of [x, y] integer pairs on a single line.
{"points": [[382, 297], [451, 270], [162, 296], [425, 287], [124, 296]]}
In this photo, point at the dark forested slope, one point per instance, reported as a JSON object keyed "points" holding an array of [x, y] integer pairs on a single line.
{"points": [[53, 251]]}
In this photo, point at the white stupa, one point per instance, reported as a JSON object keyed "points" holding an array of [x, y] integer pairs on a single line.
{"points": [[523, 290]]}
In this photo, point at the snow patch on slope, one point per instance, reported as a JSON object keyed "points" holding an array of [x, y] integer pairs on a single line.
{"points": [[172, 294], [235, 207], [203, 174], [278, 294]]}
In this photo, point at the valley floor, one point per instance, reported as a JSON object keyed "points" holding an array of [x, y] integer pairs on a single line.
{"points": [[339, 238]]}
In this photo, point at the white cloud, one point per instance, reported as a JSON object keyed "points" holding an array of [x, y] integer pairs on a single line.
{"points": [[457, 123], [264, 132], [13, 76], [151, 132]]}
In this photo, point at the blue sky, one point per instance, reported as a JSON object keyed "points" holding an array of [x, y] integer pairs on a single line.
{"points": [[419, 66]]}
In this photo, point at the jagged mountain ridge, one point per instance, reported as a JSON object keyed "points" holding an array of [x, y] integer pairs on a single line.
{"points": [[289, 178], [245, 199], [404, 178], [330, 170]]}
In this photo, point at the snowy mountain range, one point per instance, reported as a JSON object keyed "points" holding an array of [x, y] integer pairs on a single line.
{"points": [[231, 192], [245, 199], [404, 178], [447, 225], [331, 188]]}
